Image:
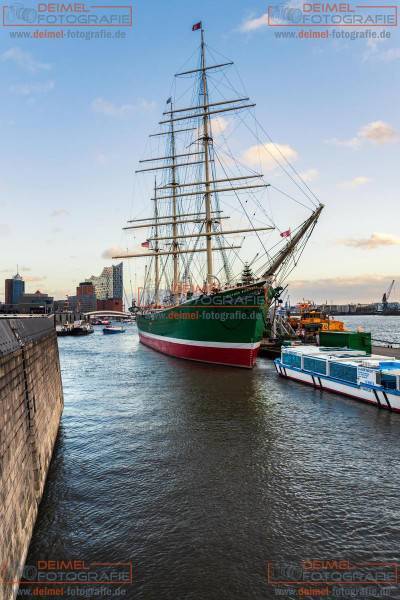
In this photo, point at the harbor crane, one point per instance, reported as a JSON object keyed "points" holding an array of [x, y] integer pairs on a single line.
{"points": [[386, 296]]}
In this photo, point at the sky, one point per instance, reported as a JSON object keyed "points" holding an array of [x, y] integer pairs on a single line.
{"points": [[75, 116]]}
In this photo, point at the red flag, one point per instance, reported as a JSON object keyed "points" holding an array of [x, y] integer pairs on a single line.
{"points": [[196, 26], [145, 244], [286, 233]]}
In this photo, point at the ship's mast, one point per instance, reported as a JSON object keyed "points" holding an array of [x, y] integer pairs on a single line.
{"points": [[174, 184], [207, 140], [156, 250]]}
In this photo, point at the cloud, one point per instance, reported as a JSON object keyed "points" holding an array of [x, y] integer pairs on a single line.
{"points": [[59, 212], [309, 175], [353, 143], [355, 182], [377, 132], [269, 155], [255, 23], [114, 251], [219, 125], [24, 60], [29, 89], [108, 108], [375, 240]]}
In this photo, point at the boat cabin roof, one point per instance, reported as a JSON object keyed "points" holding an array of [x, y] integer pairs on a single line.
{"points": [[350, 357]]}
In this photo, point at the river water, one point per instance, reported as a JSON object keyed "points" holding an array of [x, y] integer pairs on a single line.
{"points": [[200, 475], [381, 327]]}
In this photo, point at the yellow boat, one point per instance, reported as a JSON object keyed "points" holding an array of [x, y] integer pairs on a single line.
{"points": [[314, 320]]}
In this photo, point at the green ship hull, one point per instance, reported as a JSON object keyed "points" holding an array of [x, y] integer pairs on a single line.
{"points": [[222, 328]]}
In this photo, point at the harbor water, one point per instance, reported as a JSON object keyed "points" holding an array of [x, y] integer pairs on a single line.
{"points": [[201, 475]]}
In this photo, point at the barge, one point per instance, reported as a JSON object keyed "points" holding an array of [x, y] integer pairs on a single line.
{"points": [[369, 378]]}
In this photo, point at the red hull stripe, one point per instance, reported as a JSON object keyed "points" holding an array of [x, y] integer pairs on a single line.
{"points": [[234, 357]]}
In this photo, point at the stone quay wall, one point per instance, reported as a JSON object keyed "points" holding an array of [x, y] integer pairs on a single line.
{"points": [[31, 404]]}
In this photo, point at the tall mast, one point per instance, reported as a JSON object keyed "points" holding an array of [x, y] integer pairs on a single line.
{"points": [[206, 145], [156, 250], [174, 185]]}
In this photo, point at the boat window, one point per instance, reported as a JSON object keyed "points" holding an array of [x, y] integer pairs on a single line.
{"points": [[388, 381], [343, 371], [292, 360], [318, 365]]}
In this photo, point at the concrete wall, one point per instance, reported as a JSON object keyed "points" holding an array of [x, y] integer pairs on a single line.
{"points": [[31, 404]]}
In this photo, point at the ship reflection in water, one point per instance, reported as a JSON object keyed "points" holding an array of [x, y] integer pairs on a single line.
{"points": [[199, 475]]}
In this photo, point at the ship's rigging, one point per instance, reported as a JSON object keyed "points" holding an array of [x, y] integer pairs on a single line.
{"points": [[196, 179]]}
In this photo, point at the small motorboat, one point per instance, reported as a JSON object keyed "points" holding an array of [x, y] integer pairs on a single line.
{"points": [[75, 329], [113, 329]]}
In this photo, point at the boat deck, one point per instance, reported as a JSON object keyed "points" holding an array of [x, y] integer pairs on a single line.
{"points": [[274, 351]]}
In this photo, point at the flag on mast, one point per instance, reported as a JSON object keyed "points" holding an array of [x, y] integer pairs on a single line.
{"points": [[145, 244], [196, 26], [169, 100], [286, 233]]}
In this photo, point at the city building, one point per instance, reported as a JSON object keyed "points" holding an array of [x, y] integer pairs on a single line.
{"points": [[110, 304], [14, 289], [37, 303], [109, 286], [60, 306], [86, 297]]}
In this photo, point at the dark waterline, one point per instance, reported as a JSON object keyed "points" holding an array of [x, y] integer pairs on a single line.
{"points": [[200, 475]]}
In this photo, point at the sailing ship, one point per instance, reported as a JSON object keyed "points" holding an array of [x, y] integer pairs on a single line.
{"points": [[194, 304]]}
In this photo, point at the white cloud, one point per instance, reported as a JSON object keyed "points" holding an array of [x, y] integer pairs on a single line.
{"points": [[28, 89], [219, 125], [355, 182], [375, 240], [377, 132], [353, 143], [114, 251], [255, 23], [24, 60], [309, 175], [59, 212], [108, 108], [268, 155]]}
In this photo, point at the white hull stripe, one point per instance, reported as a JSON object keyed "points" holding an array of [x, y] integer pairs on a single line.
{"points": [[233, 345]]}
